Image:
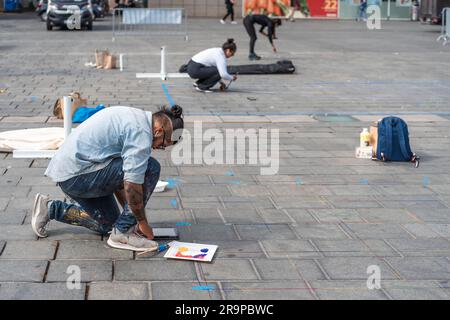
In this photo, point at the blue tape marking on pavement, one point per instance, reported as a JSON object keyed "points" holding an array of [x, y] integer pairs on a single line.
{"points": [[173, 202], [33, 99], [173, 182], [426, 181], [204, 288], [298, 181], [234, 182], [183, 224], [364, 181], [229, 173], [166, 92]]}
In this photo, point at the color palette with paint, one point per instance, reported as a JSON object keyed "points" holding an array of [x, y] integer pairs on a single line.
{"points": [[191, 251]]}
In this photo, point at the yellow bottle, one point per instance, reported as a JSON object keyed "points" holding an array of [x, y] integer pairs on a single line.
{"points": [[364, 138]]}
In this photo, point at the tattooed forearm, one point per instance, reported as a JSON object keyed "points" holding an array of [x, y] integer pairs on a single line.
{"points": [[135, 199], [120, 195]]}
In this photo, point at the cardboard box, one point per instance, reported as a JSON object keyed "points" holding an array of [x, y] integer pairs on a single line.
{"points": [[373, 139]]}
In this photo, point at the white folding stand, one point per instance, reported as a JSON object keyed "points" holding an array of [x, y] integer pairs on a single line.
{"points": [[163, 75], [29, 153]]}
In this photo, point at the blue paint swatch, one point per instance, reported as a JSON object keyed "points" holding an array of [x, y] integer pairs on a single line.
{"points": [[364, 181], [183, 224], [173, 182], [204, 288], [237, 182], [425, 181], [298, 181], [173, 202]]}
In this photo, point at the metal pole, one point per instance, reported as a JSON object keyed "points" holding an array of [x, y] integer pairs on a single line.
{"points": [[67, 101], [163, 63], [121, 61], [389, 10]]}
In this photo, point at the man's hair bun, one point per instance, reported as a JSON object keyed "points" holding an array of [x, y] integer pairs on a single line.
{"points": [[177, 111]]}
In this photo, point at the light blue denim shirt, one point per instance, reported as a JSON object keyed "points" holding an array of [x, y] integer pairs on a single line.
{"points": [[110, 133]]}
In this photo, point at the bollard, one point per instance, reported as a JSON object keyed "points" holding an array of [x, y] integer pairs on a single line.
{"points": [[67, 102]]}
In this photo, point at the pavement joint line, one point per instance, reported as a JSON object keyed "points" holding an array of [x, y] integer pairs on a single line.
{"points": [[322, 269], [255, 269], [311, 290]]}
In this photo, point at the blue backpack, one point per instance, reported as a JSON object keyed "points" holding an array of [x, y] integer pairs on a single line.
{"points": [[393, 141]]}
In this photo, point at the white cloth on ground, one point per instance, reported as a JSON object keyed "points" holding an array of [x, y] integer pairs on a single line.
{"points": [[32, 139]]}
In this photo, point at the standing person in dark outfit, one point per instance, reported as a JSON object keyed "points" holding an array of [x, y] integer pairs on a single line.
{"points": [[230, 12], [264, 21], [210, 66]]}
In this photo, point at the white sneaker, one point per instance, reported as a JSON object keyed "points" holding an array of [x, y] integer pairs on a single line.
{"points": [[131, 240], [39, 216], [222, 21], [233, 22], [195, 84], [202, 90]]}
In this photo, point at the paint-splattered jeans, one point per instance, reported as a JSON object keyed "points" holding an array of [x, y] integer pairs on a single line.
{"points": [[96, 207]]}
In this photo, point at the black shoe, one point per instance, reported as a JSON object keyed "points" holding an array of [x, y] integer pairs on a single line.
{"points": [[253, 56]]}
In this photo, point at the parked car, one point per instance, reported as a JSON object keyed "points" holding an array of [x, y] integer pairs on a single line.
{"points": [[41, 9], [431, 10], [61, 13]]}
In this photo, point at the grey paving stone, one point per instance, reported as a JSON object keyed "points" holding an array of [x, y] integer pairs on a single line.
{"points": [[118, 291], [301, 216], [241, 216], [354, 268], [61, 231], [336, 215], [184, 291], [89, 249], [207, 216], [277, 269], [40, 291], [207, 233], [415, 290], [309, 269], [247, 202], [265, 231], [387, 215], [345, 290], [22, 270], [275, 216], [29, 250], [421, 230], [320, 231], [249, 191], [442, 229], [378, 231], [3, 203], [197, 190], [431, 215], [152, 270], [422, 268], [16, 232], [16, 217], [300, 202], [239, 249], [353, 248], [289, 248], [278, 290], [353, 202], [201, 203], [228, 269], [169, 217], [91, 270]]}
